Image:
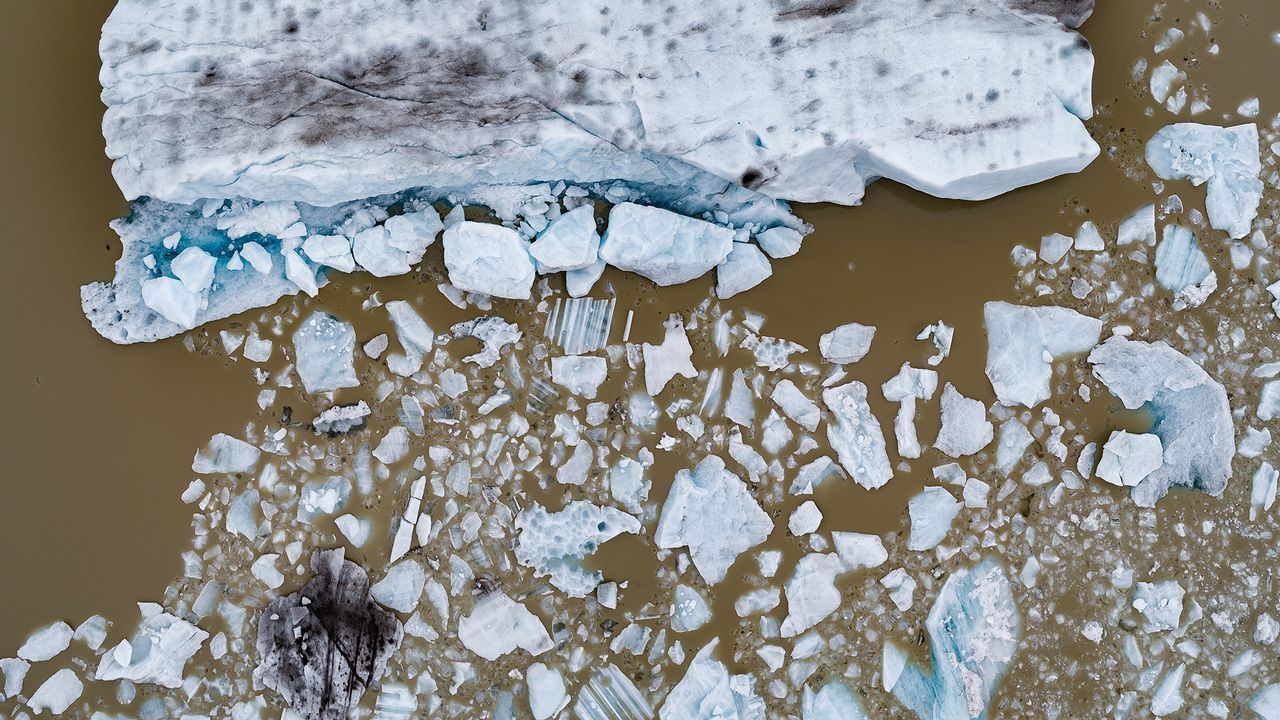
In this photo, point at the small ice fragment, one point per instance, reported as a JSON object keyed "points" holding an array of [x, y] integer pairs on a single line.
{"points": [[264, 568], [401, 588], [579, 374], [859, 550], [834, 701], [1183, 269], [1163, 78], [157, 653], [932, 511], [1023, 341], [689, 610], [225, 454], [325, 347], [1262, 494], [1227, 158], [546, 690], [1088, 238], [47, 642], [673, 357], [1140, 227], [901, 587], [1128, 458], [708, 692], [811, 592], [1160, 603], [415, 336], [300, 273], [847, 343], [171, 299], [795, 404], [905, 388], [257, 256], [1054, 247], [1014, 440], [941, 334], [331, 251], [744, 268], [489, 259], [965, 428], [555, 543], [341, 419], [805, 519]]}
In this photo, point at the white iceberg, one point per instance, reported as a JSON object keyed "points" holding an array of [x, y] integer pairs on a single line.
{"points": [[708, 692], [744, 268], [498, 625], [932, 511], [673, 357], [666, 247], [1128, 458], [488, 259], [965, 428], [856, 436], [570, 242], [324, 350], [848, 343]]}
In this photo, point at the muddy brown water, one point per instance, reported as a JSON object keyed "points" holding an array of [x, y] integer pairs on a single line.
{"points": [[98, 438]]}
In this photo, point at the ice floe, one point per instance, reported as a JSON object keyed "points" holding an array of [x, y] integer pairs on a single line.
{"points": [[1023, 341], [1227, 158]]}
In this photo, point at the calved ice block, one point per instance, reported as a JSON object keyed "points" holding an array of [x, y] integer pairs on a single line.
{"points": [[1227, 158], [1023, 341]]}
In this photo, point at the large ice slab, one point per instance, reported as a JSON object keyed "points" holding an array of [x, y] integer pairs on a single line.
{"points": [[666, 247], [1192, 416], [1183, 269], [555, 543], [973, 633], [1022, 342], [708, 692], [1225, 157], [856, 436]]}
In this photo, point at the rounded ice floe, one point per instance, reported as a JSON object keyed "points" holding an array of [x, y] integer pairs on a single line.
{"points": [[1192, 416], [666, 247], [324, 348], [779, 242], [1023, 341], [744, 268], [489, 259], [570, 242]]}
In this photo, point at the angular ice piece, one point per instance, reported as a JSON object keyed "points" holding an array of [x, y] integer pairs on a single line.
{"points": [[1140, 227], [1014, 440], [1167, 697], [627, 484], [1274, 289], [225, 454], [833, 702], [1160, 603], [779, 242], [579, 282], [555, 543], [1163, 78], [331, 251], [1183, 269], [570, 242], [57, 693], [905, 388], [15, 673], [673, 357], [322, 497], [194, 267], [489, 259], [846, 344], [323, 646], [932, 511], [1269, 401], [1088, 238], [264, 568], [579, 374], [1054, 247], [689, 610], [610, 695], [744, 268], [710, 510], [708, 692], [855, 435], [393, 447], [805, 519], [47, 642], [859, 550], [93, 631], [394, 247], [1128, 458], [171, 299], [416, 338], [1226, 157], [325, 348], [401, 587], [546, 691], [666, 247], [965, 428], [581, 325], [300, 273], [242, 514], [1266, 702], [973, 634], [811, 592], [740, 407], [1023, 341], [494, 332], [157, 653], [498, 625], [795, 404], [1262, 494], [1191, 412], [901, 587]]}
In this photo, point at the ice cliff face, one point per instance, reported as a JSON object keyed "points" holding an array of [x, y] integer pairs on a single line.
{"points": [[721, 111]]}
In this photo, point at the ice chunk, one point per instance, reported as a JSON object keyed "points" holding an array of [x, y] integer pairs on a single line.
{"points": [[1128, 458], [1160, 603], [157, 653], [811, 592], [57, 693], [495, 334], [401, 587], [855, 435], [834, 701], [546, 691], [1054, 247], [93, 631], [666, 247], [225, 454], [1014, 440], [581, 325], [1269, 401], [965, 428], [1262, 494], [932, 511], [341, 419], [579, 374], [744, 268], [15, 673], [805, 519], [1022, 342], [708, 692], [689, 610], [394, 247], [579, 282], [846, 344], [323, 646], [498, 625], [554, 543], [330, 250], [416, 338], [489, 259], [627, 484], [47, 642], [1088, 238], [1190, 409], [570, 242], [740, 407], [171, 299], [673, 357], [795, 404], [194, 267], [1140, 227], [1225, 157], [1183, 269], [779, 242], [973, 633], [858, 550], [325, 349], [610, 695], [905, 388], [941, 335], [710, 510], [1266, 702], [1167, 697]]}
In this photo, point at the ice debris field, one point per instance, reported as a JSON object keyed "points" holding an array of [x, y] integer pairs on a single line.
{"points": [[523, 486]]}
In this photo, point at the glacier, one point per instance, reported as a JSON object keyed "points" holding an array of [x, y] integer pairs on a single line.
{"points": [[267, 144]]}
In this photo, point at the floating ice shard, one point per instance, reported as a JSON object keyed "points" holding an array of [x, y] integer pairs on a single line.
{"points": [[811, 591], [834, 701], [398, 244], [905, 388], [663, 246], [416, 338], [225, 454], [689, 610], [846, 344], [498, 625], [157, 652], [325, 351], [744, 268], [1190, 409], [323, 646], [965, 428], [780, 242], [673, 357], [973, 633], [1262, 494], [1128, 458], [858, 550], [1140, 227], [581, 325], [1266, 702], [579, 374], [795, 404], [932, 511], [341, 419], [1022, 342], [57, 693], [554, 543], [708, 692], [855, 435], [1160, 603], [401, 587], [1014, 441], [493, 332], [1225, 157], [331, 251], [710, 510], [546, 691], [47, 642], [570, 242], [1183, 269], [489, 259]]}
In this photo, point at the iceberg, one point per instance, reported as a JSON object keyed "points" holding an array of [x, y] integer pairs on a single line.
{"points": [[579, 374], [973, 633], [1128, 458], [811, 591], [708, 692], [932, 511], [673, 357], [1227, 158], [56, 694], [666, 247], [46, 643], [1022, 341], [324, 348], [401, 588], [846, 344], [856, 436], [570, 242], [689, 610], [546, 691], [1183, 269], [488, 259], [744, 268], [610, 695], [711, 511], [1190, 409], [157, 653], [554, 543]]}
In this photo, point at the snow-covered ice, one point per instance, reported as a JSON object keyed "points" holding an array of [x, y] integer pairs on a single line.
{"points": [[1128, 458], [708, 692], [498, 625], [157, 653]]}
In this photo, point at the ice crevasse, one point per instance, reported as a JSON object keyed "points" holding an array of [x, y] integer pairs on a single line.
{"points": [[271, 144]]}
